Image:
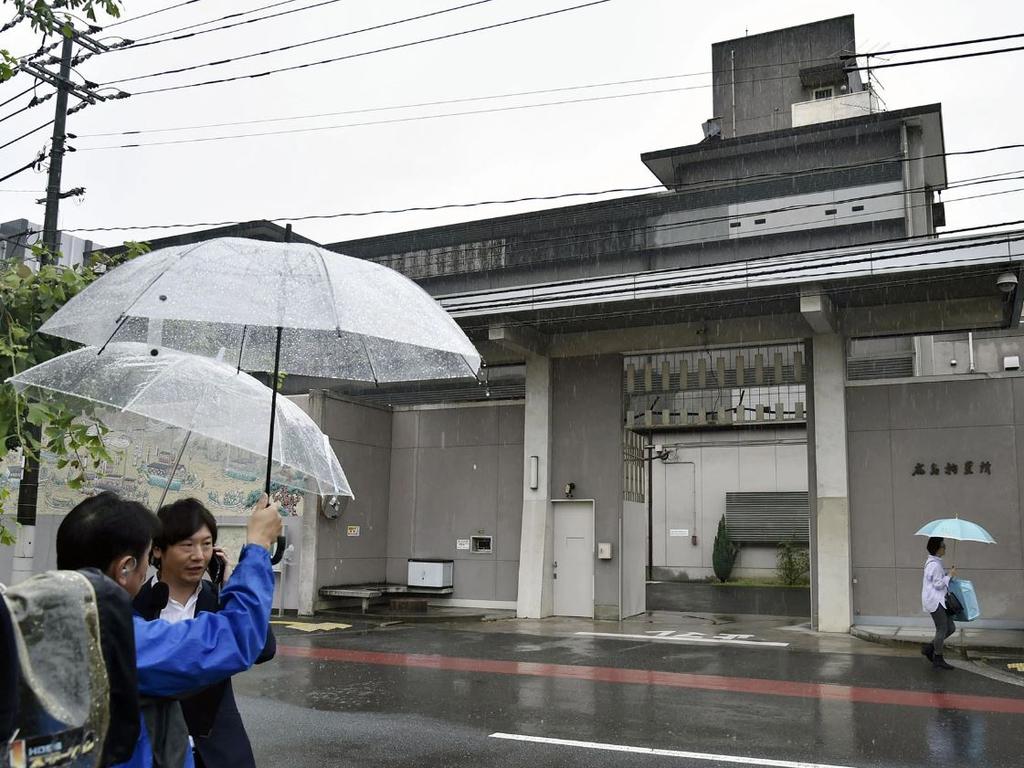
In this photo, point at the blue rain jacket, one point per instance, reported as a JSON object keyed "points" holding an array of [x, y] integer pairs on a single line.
{"points": [[173, 659]]}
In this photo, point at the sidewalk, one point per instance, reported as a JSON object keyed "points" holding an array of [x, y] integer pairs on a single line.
{"points": [[965, 641]]}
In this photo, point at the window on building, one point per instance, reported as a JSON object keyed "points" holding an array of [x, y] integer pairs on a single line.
{"points": [[822, 93]]}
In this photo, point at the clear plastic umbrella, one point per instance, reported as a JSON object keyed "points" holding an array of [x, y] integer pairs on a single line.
{"points": [[335, 316], [200, 395]]}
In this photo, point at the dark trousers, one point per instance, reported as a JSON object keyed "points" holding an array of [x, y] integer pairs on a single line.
{"points": [[944, 627]]}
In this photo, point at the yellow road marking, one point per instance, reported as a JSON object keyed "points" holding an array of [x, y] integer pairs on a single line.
{"points": [[304, 626]]}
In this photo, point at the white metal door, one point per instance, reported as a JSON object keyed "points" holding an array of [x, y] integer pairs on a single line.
{"points": [[574, 559]]}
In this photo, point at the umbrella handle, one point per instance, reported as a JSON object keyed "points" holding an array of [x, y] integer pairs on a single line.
{"points": [[278, 551]]}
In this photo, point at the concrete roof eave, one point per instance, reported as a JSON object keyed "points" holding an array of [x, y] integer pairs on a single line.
{"points": [[907, 287], [664, 162]]}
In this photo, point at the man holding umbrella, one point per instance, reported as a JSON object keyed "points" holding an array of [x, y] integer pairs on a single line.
{"points": [[114, 536]]}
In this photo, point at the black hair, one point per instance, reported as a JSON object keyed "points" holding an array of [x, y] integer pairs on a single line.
{"points": [[934, 543], [99, 530], [181, 519]]}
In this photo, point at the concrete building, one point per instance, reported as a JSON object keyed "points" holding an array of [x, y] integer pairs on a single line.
{"points": [[19, 235], [770, 339]]}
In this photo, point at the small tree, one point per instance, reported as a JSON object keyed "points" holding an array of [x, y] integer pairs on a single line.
{"points": [[723, 557], [27, 299], [794, 564]]}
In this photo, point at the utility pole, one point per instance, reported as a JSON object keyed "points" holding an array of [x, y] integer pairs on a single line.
{"points": [[28, 488], [50, 234]]}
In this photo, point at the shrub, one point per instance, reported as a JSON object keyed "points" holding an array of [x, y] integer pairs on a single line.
{"points": [[794, 564], [724, 555]]}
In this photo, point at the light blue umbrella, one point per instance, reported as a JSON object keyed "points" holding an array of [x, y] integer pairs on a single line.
{"points": [[956, 529]]}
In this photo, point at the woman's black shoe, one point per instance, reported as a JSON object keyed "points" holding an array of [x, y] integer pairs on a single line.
{"points": [[928, 651], [940, 663]]}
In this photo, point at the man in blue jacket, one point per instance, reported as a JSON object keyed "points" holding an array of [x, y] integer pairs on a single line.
{"points": [[115, 535]]}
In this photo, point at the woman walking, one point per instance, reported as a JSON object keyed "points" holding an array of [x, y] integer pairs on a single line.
{"points": [[933, 601]]}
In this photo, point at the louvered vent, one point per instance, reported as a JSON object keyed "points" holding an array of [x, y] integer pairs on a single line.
{"points": [[880, 368], [768, 517]]}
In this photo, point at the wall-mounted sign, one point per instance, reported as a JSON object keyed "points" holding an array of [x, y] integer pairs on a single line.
{"points": [[462, 543], [684, 532], [352, 530], [952, 468]]}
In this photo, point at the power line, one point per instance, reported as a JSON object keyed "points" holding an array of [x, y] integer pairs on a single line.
{"points": [[933, 46], [385, 49], [707, 184], [17, 96], [951, 57], [19, 170], [26, 134], [281, 49], [389, 121], [538, 244], [392, 107], [729, 272], [143, 42], [592, 239], [151, 13]]}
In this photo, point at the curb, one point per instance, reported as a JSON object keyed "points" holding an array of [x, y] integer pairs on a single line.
{"points": [[898, 642]]}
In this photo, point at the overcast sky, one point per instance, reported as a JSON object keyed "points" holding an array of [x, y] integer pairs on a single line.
{"points": [[538, 151]]}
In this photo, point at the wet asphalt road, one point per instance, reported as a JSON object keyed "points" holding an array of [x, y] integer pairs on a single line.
{"points": [[416, 695]]}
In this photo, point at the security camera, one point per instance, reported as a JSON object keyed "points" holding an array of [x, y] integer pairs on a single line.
{"points": [[1007, 282]]}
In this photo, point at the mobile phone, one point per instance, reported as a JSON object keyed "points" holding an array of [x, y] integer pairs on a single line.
{"points": [[216, 569]]}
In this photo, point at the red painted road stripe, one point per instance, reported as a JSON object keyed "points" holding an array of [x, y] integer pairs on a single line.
{"points": [[824, 691]]}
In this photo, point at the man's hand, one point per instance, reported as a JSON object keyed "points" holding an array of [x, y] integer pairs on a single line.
{"points": [[264, 524], [952, 572]]}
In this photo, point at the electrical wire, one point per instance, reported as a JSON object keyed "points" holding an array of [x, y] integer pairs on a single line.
{"points": [[730, 273], [392, 107], [220, 62], [143, 42], [386, 121], [17, 96], [559, 215], [151, 13], [933, 46], [399, 46], [26, 135], [951, 57], [19, 170], [26, 108]]}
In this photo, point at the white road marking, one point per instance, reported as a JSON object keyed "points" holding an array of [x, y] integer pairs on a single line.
{"points": [[705, 756], [684, 638]]}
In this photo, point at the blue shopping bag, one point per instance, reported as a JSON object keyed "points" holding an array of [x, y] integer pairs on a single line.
{"points": [[964, 591]]}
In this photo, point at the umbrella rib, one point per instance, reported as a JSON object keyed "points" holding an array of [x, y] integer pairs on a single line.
{"points": [[369, 361], [150, 284], [330, 286]]}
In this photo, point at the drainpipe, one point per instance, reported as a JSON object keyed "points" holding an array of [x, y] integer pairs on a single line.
{"points": [[732, 77], [970, 350], [908, 201], [650, 510]]}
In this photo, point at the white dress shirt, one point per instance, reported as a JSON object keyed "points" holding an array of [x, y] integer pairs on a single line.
{"points": [[175, 611], [935, 584]]}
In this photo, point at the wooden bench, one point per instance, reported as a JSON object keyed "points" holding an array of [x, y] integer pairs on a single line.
{"points": [[365, 595]]}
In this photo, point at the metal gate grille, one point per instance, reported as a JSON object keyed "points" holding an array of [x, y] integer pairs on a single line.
{"points": [[772, 517]]}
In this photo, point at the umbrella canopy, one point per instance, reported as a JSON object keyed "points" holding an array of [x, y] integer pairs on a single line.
{"points": [[956, 529], [340, 317], [198, 394]]}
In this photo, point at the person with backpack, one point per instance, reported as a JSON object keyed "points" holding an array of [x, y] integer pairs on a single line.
{"points": [[184, 552], [115, 535]]}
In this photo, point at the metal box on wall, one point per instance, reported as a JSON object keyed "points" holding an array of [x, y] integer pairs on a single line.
{"points": [[430, 573]]}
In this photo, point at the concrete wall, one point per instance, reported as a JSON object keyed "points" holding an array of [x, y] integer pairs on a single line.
{"points": [[587, 450], [633, 557], [893, 428], [689, 493], [458, 472], [767, 67], [361, 438]]}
